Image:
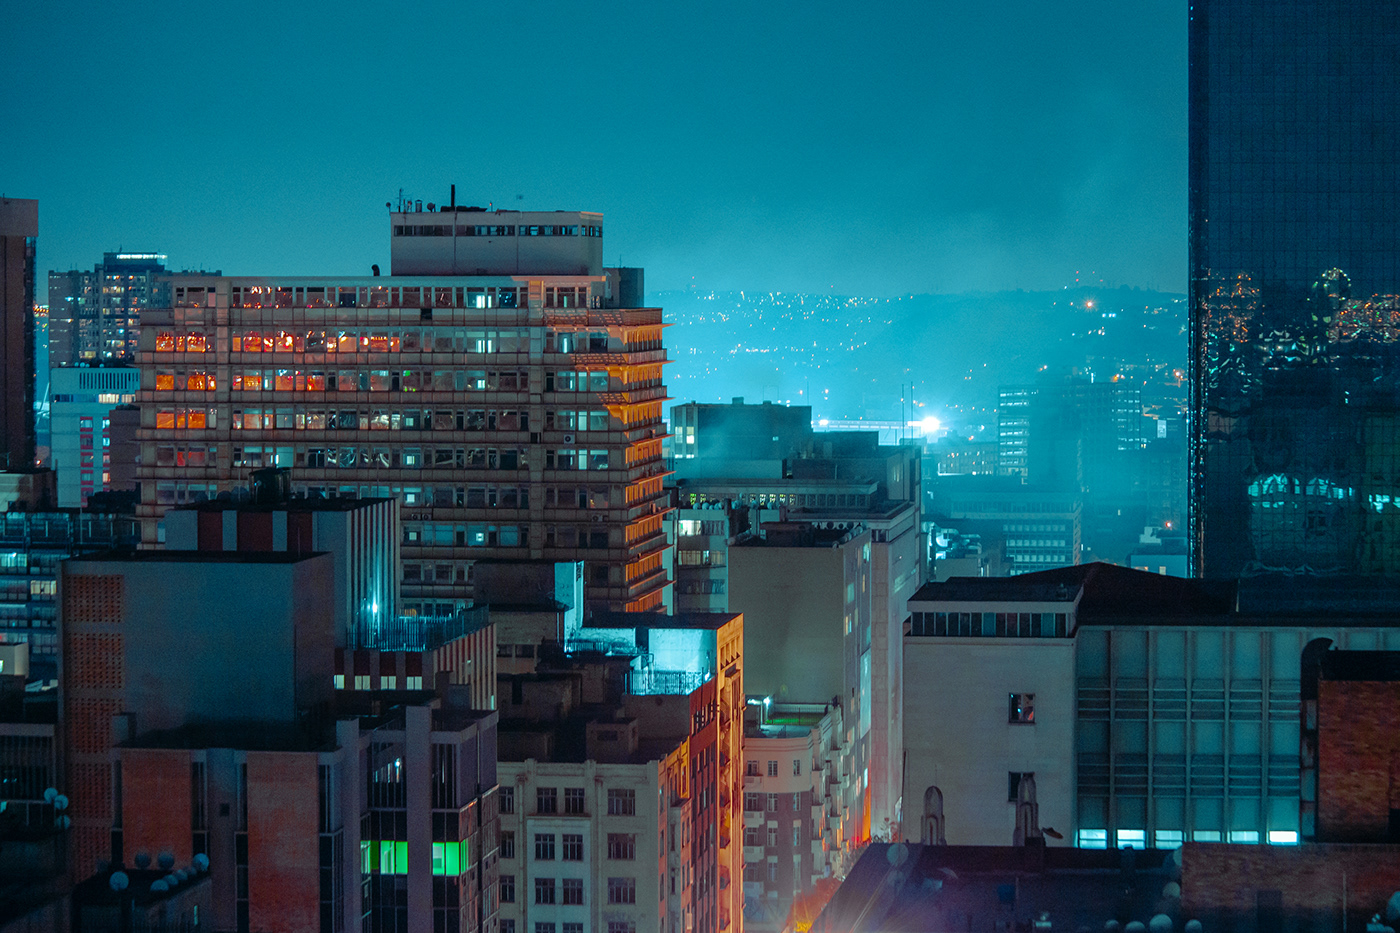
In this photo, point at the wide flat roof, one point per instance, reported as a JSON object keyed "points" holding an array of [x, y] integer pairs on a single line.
{"points": [[654, 620], [197, 557], [290, 505]]}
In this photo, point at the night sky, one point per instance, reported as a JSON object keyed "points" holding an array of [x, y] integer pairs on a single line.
{"points": [[847, 148]]}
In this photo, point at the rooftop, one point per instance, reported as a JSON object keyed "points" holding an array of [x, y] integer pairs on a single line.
{"points": [[1104, 591], [895, 888], [250, 736], [288, 505], [712, 621], [197, 557], [1374, 666]]}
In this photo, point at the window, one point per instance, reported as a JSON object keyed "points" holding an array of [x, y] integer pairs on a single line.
{"points": [[573, 890], [772, 803], [753, 802], [1241, 836], [1168, 839], [752, 836], [797, 767], [622, 926], [545, 926], [1132, 838], [573, 800], [544, 846], [573, 847], [796, 802], [546, 800], [1282, 837], [1013, 783], [622, 846], [751, 768], [622, 890], [773, 834], [1093, 839], [507, 799], [621, 802], [772, 769], [1021, 708], [796, 833], [572, 926], [507, 844], [544, 890], [507, 889]]}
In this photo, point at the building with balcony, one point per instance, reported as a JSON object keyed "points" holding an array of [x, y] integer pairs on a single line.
{"points": [[514, 412], [799, 779]]}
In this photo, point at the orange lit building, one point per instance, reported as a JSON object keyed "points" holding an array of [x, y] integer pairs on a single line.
{"points": [[502, 384]]}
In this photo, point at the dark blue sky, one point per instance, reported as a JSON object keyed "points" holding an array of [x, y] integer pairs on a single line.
{"points": [[861, 148]]}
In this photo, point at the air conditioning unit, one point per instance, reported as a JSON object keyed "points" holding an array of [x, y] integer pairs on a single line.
{"points": [[597, 519], [568, 438]]}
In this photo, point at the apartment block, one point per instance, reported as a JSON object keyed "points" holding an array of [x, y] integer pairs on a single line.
{"points": [[642, 709], [514, 413], [94, 316], [799, 778]]}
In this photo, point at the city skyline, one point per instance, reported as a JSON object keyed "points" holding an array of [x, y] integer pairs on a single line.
{"points": [[927, 149]]}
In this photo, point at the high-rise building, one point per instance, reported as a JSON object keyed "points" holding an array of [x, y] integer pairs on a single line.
{"points": [[508, 390], [19, 228], [1295, 286], [94, 316]]}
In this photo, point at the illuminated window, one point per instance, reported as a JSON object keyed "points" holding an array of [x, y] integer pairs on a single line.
{"points": [[388, 682], [1021, 708], [1283, 837], [1093, 839], [1244, 836], [1132, 838]]}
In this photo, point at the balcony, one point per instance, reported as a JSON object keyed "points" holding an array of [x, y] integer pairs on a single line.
{"points": [[753, 853]]}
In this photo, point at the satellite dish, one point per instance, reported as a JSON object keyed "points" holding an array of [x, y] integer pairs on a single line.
{"points": [[1171, 889], [166, 861], [1160, 924], [1137, 926], [1111, 926], [49, 794], [118, 881], [897, 853], [143, 860], [201, 861], [1392, 908], [1194, 926], [60, 802], [158, 886]]}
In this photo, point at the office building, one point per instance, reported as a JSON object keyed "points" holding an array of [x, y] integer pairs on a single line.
{"points": [[1070, 433], [94, 317], [817, 488], [1149, 710], [1022, 528], [1295, 286], [514, 410], [748, 439], [19, 230], [34, 541], [80, 435]]}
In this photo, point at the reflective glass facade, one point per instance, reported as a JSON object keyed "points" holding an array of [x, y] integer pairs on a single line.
{"points": [[1295, 286]]}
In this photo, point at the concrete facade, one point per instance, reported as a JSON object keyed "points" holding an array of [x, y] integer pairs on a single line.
{"points": [[512, 415]]}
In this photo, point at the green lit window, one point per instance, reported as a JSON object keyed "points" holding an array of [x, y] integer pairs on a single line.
{"points": [[450, 858]]}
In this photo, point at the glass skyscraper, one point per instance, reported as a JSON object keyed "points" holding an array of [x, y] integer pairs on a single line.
{"points": [[1295, 286]]}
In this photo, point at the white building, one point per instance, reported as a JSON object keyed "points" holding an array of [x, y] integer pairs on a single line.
{"points": [[82, 402]]}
